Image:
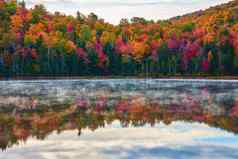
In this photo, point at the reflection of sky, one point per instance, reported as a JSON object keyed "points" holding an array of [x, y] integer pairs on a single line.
{"points": [[179, 140], [114, 10]]}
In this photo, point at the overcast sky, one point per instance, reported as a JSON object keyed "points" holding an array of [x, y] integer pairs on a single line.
{"points": [[113, 10]]}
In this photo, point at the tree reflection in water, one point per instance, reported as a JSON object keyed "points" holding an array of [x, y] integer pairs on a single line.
{"points": [[136, 111], [25, 117]]}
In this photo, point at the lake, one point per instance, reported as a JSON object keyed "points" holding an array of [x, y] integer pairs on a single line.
{"points": [[119, 119]]}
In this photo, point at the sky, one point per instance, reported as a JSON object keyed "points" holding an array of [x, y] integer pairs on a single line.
{"points": [[114, 10]]}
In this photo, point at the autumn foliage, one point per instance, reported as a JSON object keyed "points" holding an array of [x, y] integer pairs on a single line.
{"points": [[37, 42]]}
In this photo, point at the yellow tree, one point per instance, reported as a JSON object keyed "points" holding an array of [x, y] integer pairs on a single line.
{"points": [[107, 37], [139, 49]]}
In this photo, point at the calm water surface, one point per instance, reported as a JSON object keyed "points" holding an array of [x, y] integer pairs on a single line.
{"points": [[119, 119]]}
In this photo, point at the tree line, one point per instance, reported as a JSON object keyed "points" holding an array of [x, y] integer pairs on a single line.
{"points": [[35, 42]]}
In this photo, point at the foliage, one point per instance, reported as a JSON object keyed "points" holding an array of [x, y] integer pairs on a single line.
{"points": [[204, 42]]}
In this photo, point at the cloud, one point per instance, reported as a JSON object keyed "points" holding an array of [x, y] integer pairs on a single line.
{"points": [[114, 10], [124, 2]]}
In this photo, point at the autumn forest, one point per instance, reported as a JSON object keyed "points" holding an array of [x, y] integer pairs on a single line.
{"points": [[35, 42]]}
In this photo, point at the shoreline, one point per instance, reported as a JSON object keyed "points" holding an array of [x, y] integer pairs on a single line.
{"points": [[118, 77]]}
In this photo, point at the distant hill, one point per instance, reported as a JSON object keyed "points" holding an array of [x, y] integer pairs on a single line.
{"points": [[231, 6]]}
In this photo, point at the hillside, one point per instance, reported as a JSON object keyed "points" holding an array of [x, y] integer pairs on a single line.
{"points": [[35, 42]]}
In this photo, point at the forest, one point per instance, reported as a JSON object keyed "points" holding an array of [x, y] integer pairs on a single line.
{"points": [[36, 42]]}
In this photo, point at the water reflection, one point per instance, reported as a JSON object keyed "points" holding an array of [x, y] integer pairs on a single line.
{"points": [[158, 118]]}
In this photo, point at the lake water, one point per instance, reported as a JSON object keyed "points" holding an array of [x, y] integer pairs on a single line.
{"points": [[119, 119]]}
